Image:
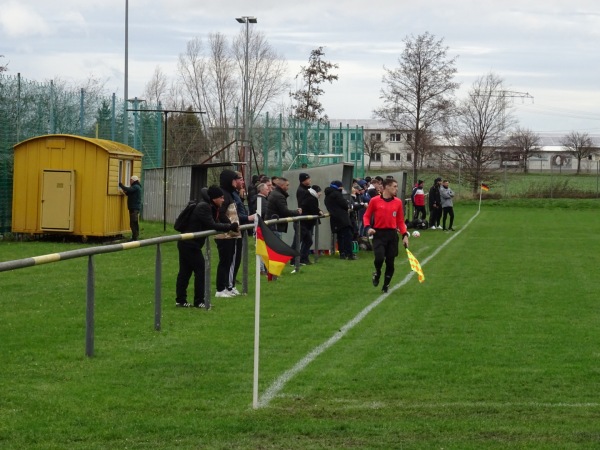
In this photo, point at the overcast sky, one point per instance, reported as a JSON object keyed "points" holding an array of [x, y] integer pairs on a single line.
{"points": [[548, 49]]}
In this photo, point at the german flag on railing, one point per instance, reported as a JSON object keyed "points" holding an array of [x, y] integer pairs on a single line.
{"points": [[484, 187], [273, 251]]}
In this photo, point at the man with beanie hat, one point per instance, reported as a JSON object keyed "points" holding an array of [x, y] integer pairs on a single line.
{"points": [[310, 207], [134, 205], [302, 195], [191, 260]]}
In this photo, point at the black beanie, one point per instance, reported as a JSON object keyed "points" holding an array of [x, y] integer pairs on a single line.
{"points": [[215, 192], [303, 177]]}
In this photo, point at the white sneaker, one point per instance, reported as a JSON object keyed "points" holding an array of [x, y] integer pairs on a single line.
{"points": [[224, 293], [234, 291], [433, 227]]}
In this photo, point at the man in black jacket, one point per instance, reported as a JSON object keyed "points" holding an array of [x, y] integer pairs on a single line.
{"points": [[435, 204], [191, 259], [339, 218], [277, 205], [302, 194], [227, 244], [310, 207]]}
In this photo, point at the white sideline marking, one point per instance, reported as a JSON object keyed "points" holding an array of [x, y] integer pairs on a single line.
{"points": [[280, 382]]}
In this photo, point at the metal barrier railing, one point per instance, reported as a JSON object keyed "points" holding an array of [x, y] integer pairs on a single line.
{"points": [[91, 251]]}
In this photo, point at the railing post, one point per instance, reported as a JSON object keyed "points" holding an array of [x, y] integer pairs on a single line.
{"points": [[157, 289], [245, 262], [207, 274], [296, 225], [316, 245], [89, 311]]}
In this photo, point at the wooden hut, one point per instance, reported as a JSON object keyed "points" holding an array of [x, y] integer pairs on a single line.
{"points": [[70, 185]]}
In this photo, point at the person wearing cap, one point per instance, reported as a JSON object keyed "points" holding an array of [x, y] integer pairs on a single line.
{"points": [[384, 220], [191, 260], [134, 204], [418, 200], [310, 207], [435, 204], [339, 218], [301, 238]]}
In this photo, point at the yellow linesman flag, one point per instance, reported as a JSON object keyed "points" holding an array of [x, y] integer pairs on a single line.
{"points": [[415, 266]]}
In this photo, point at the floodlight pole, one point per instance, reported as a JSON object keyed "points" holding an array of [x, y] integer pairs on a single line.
{"points": [[125, 88], [246, 97]]}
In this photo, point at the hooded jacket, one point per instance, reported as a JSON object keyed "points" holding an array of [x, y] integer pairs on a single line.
{"points": [[338, 208], [228, 210]]}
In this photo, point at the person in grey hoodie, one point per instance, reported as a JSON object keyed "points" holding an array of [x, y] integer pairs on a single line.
{"points": [[447, 195]]}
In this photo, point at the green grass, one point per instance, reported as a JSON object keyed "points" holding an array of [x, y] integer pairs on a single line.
{"points": [[499, 348], [512, 184]]}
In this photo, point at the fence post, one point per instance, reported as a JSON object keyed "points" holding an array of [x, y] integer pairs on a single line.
{"points": [[316, 228], [207, 273], [157, 289], [89, 312], [244, 262]]}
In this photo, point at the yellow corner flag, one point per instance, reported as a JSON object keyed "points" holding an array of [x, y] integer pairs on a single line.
{"points": [[415, 266]]}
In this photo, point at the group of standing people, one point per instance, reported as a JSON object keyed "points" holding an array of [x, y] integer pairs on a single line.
{"points": [[441, 205], [372, 209], [220, 208]]}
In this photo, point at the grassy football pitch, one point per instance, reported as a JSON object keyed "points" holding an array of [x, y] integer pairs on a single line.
{"points": [[498, 348]]}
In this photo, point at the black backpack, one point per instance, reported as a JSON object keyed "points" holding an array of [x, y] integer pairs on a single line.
{"points": [[183, 219]]}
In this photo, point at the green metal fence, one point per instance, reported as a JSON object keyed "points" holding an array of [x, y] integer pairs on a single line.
{"points": [[29, 109]]}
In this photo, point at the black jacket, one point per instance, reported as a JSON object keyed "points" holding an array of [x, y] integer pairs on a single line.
{"points": [[310, 207], [435, 199], [302, 194], [277, 208], [204, 218], [338, 207]]}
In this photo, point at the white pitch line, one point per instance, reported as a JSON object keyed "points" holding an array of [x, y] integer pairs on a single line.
{"points": [[280, 382]]}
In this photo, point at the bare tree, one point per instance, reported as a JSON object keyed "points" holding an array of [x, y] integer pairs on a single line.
{"points": [[267, 70], [156, 89], [418, 94], [478, 128], [3, 68], [525, 143], [374, 146], [192, 68], [579, 145], [318, 71]]}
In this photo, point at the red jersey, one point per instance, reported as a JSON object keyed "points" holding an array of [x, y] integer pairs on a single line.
{"points": [[382, 214]]}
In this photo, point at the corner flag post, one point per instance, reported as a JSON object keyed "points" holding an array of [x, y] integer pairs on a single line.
{"points": [[256, 312]]}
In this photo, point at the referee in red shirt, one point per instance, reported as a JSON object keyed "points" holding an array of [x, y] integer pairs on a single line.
{"points": [[384, 219]]}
